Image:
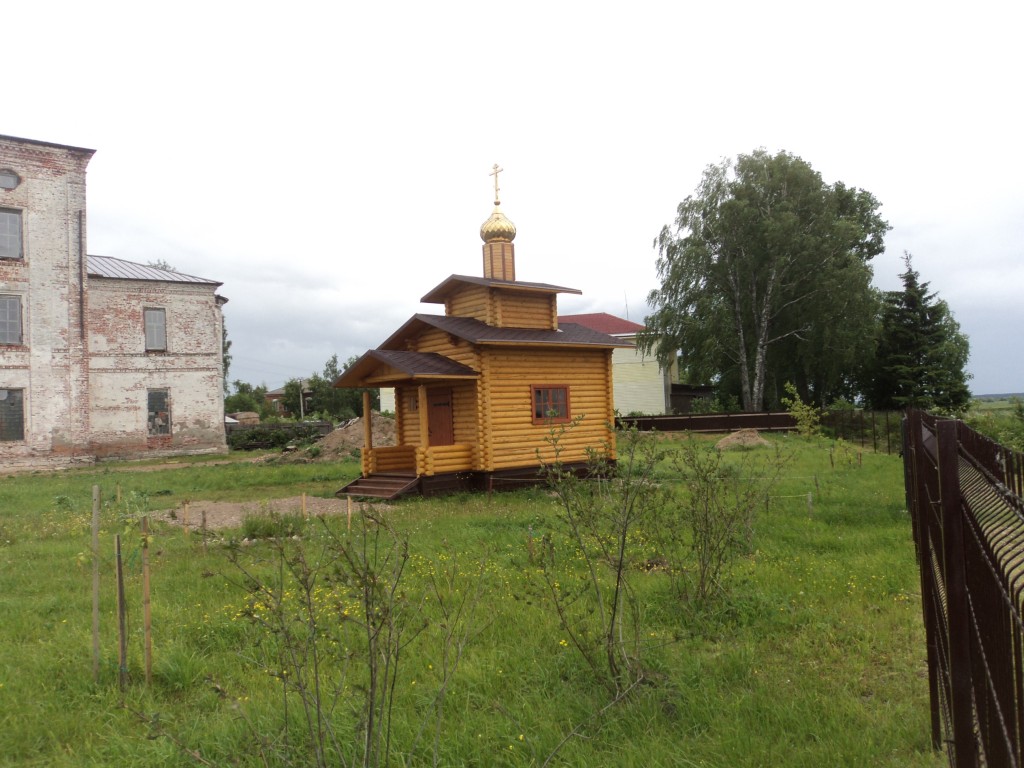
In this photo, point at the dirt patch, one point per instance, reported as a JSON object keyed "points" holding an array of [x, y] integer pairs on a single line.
{"points": [[231, 514], [349, 436], [744, 438], [342, 443]]}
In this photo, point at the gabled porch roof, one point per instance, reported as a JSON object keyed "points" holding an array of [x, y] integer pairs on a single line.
{"points": [[387, 366]]}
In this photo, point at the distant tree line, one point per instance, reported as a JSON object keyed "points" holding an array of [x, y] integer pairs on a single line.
{"points": [[766, 281], [320, 399]]}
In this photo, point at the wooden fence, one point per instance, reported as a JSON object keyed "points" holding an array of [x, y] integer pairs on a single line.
{"points": [[966, 497]]}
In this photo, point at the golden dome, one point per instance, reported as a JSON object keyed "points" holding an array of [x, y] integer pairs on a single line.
{"points": [[498, 228]]}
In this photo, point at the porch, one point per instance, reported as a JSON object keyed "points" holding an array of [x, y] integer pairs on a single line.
{"points": [[418, 460], [435, 462]]}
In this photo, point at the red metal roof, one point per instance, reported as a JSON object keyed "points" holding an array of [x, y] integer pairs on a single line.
{"points": [[602, 322]]}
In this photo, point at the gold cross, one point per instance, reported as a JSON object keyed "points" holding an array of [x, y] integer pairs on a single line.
{"points": [[495, 173]]}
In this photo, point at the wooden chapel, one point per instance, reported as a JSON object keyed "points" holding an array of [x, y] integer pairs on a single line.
{"points": [[479, 388]]}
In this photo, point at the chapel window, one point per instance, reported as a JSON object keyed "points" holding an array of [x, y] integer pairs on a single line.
{"points": [[550, 404]]}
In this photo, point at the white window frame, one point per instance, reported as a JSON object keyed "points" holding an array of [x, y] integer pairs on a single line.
{"points": [[12, 238], [11, 320], [154, 320]]}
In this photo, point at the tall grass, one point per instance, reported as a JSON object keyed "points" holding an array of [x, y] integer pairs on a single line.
{"points": [[814, 657], [1001, 420]]}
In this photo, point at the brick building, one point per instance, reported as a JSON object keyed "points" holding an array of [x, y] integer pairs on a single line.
{"points": [[98, 357]]}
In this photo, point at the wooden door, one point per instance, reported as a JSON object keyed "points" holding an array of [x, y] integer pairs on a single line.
{"points": [[441, 431]]}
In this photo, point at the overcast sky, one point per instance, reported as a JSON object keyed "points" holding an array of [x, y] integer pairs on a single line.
{"points": [[328, 162]]}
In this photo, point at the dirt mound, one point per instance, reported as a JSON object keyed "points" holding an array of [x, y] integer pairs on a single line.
{"points": [[348, 437], [744, 438]]}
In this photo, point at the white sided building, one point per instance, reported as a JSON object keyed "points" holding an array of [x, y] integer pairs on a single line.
{"points": [[641, 385]]}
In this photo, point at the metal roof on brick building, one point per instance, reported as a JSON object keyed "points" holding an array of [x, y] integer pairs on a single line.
{"points": [[119, 269]]}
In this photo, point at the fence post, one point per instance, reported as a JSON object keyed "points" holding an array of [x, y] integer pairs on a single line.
{"points": [[954, 568], [96, 584], [147, 614], [122, 618], [914, 468]]}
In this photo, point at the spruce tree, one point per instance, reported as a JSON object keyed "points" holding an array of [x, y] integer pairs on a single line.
{"points": [[920, 354]]}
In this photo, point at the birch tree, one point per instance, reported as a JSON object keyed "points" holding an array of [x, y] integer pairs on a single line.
{"points": [[764, 252]]}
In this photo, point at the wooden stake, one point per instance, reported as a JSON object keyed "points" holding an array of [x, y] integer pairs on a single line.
{"points": [[810, 503], [122, 618], [305, 514], [96, 583], [117, 494], [147, 623]]}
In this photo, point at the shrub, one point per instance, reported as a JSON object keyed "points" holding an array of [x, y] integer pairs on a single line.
{"points": [[710, 520], [599, 519], [808, 418], [251, 438], [271, 526]]}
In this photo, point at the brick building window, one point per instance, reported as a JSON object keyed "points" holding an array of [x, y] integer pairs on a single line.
{"points": [[12, 415], [9, 179], [158, 403], [550, 404], [10, 320], [10, 234], [156, 329]]}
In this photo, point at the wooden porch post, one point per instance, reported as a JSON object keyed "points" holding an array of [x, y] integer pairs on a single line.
{"points": [[367, 423], [424, 414]]}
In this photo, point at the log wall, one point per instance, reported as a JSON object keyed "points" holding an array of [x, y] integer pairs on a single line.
{"points": [[517, 310], [510, 438], [472, 301], [435, 340]]}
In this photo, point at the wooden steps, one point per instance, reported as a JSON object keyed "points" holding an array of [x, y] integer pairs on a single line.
{"points": [[381, 486]]}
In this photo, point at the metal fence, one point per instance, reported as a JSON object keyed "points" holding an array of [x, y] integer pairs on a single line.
{"points": [[965, 496], [710, 422], [878, 429]]}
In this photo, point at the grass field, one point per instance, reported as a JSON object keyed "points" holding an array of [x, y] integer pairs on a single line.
{"points": [[1000, 418], [815, 657]]}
